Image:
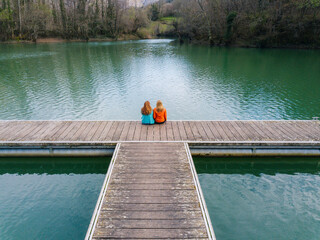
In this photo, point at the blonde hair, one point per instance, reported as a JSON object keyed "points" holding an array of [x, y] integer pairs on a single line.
{"points": [[159, 107], [146, 110]]}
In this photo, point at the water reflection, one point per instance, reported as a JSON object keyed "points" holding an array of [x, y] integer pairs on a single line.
{"points": [[61, 165], [49, 198], [258, 166], [112, 80], [262, 198]]}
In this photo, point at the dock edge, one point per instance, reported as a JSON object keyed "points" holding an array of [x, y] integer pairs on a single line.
{"points": [[103, 191], [203, 205]]}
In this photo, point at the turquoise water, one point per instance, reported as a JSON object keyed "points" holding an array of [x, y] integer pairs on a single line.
{"points": [[49, 198], [111, 80], [250, 199]]}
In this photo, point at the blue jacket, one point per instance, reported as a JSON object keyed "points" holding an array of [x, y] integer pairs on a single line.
{"points": [[147, 119]]}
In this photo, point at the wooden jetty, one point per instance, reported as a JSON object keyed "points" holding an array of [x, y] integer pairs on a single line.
{"points": [[151, 189], [185, 131]]}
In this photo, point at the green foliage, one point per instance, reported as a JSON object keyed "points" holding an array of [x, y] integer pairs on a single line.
{"points": [[5, 15], [63, 16], [4, 4], [168, 19], [230, 18], [308, 4], [155, 11], [6, 23]]}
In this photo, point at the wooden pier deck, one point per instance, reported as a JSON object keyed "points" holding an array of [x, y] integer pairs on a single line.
{"points": [[151, 189], [186, 131], [151, 192]]}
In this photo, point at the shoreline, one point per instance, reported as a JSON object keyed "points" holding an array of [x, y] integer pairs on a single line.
{"points": [[134, 37], [62, 40]]}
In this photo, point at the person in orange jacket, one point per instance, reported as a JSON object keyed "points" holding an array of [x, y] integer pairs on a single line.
{"points": [[159, 113]]}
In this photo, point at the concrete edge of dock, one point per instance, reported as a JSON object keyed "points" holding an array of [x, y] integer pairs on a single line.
{"points": [[98, 206], [203, 205], [210, 149]]}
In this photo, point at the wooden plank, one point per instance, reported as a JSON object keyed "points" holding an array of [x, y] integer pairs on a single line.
{"points": [[37, 136], [188, 130], [150, 132], [125, 131], [152, 215], [227, 132], [13, 132], [251, 133], [92, 132], [156, 132], [151, 195], [7, 128], [96, 135], [75, 134], [85, 130], [69, 131], [182, 131], [195, 131], [215, 127], [101, 136], [112, 130], [151, 233], [272, 134], [278, 127], [298, 131], [137, 132], [202, 131], [163, 132], [118, 131], [266, 131], [212, 132], [32, 131], [169, 131], [176, 132], [151, 223], [151, 207], [48, 131], [234, 129], [143, 136], [260, 132]]}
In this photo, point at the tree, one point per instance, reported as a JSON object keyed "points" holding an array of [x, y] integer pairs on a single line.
{"points": [[155, 12]]}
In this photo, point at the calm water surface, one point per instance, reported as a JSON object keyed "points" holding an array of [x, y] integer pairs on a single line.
{"points": [[112, 80], [49, 198], [250, 199]]}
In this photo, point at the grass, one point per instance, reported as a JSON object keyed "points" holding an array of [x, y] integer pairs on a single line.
{"points": [[154, 28], [169, 19]]}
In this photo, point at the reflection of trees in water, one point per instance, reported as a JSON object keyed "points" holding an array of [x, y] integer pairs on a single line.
{"points": [[269, 83], [54, 165], [105, 80], [257, 166]]}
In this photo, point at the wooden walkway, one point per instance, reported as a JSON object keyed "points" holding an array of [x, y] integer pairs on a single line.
{"points": [[190, 131], [151, 191]]}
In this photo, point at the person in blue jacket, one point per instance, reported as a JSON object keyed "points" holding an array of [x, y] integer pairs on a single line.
{"points": [[147, 114]]}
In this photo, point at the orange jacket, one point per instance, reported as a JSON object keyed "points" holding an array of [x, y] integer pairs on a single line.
{"points": [[160, 117]]}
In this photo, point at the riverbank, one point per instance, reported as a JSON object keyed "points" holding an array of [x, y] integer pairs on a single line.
{"points": [[62, 40], [135, 37]]}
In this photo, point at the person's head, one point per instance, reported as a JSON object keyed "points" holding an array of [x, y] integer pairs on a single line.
{"points": [[159, 106], [146, 110]]}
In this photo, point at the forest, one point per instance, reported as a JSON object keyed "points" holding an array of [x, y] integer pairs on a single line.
{"points": [[246, 23]]}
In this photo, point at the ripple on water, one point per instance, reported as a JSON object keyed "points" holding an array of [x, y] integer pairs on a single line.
{"points": [[280, 206], [112, 80]]}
